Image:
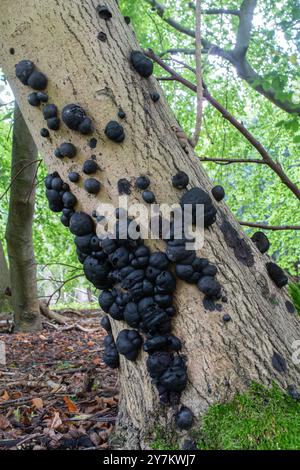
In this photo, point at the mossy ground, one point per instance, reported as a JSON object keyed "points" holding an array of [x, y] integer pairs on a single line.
{"points": [[259, 419]]}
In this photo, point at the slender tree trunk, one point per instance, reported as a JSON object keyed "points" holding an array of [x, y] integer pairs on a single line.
{"points": [[19, 228], [223, 358], [4, 282]]}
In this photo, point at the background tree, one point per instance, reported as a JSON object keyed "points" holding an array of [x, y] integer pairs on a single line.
{"points": [[222, 358], [4, 282]]}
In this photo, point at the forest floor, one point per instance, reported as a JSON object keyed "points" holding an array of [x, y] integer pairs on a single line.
{"points": [[55, 391]]}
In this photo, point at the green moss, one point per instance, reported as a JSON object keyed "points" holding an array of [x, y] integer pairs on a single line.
{"points": [[294, 290], [260, 419], [164, 440]]}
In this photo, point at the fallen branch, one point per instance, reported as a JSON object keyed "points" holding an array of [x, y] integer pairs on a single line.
{"points": [[270, 227], [46, 312]]}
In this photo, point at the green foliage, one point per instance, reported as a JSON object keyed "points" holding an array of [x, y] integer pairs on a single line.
{"points": [[164, 440], [260, 419], [294, 290]]}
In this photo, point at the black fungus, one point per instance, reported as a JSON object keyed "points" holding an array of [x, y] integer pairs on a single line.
{"points": [[53, 123], [158, 363], [197, 196], [57, 153], [90, 167], [131, 315], [114, 131], [148, 196], [11, 50], [165, 282], [69, 200], [180, 180], [74, 176], [129, 343], [92, 186], [290, 307], [184, 418], [226, 318], [75, 118], [279, 363], [218, 193], [142, 182], [293, 392], [209, 286], [42, 96], [106, 299], [175, 377], [121, 114], [127, 19], [277, 274], [142, 64], [97, 271], [33, 99], [184, 271], [44, 132], [110, 356], [93, 143], [65, 220], [81, 224], [154, 96], [104, 12], [54, 199], [105, 323], [57, 183], [120, 257], [189, 444], [261, 241], [50, 111], [24, 69], [37, 80], [159, 260], [102, 36], [124, 186], [67, 150]]}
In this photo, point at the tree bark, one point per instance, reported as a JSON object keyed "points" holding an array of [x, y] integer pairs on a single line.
{"points": [[61, 38], [4, 282], [22, 264]]}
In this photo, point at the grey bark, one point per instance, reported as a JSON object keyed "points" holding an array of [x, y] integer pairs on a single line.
{"points": [[4, 283]]}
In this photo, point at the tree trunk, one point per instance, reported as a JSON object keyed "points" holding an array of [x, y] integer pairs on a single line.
{"points": [[223, 358], [4, 283], [19, 228]]}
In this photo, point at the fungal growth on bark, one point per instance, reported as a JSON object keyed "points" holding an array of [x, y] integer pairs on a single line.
{"points": [[154, 96], [124, 186], [114, 131], [218, 192], [184, 418], [92, 186], [142, 64], [148, 196], [261, 241], [66, 149], [180, 180], [50, 113], [277, 274], [142, 182], [44, 132], [121, 114], [75, 118], [129, 343], [74, 176], [197, 196], [90, 167], [28, 75], [110, 356], [104, 12]]}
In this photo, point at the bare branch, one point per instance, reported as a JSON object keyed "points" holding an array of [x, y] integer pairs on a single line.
{"points": [[270, 227], [198, 76], [217, 11], [229, 161], [275, 166]]}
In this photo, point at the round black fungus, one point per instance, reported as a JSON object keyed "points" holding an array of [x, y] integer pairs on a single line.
{"points": [[184, 418], [127, 19], [90, 167], [218, 192], [148, 196], [197, 196], [74, 176], [110, 356], [105, 323], [33, 99], [81, 224], [44, 132], [102, 36], [261, 241], [93, 143], [53, 123], [124, 186], [23, 70], [184, 271], [65, 220], [69, 200], [68, 150], [104, 12], [293, 392], [11, 51], [209, 286], [159, 260], [180, 180], [226, 318], [42, 96], [129, 343], [165, 282], [37, 80], [57, 153], [224, 299], [50, 111], [279, 363], [154, 96], [290, 307], [142, 64], [131, 315], [114, 131], [92, 186], [57, 183], [189, 444], [75, 118], [121, 114], [142, 182], [106, 299], [277, 274]]}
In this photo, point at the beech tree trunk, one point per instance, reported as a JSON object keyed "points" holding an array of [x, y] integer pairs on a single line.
{"points": [[60, 37], [22, 264], [4, 282]]}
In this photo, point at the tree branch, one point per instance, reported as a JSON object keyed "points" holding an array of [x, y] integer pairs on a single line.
{"points": [[236, 56], [270, 227], [276, 167], [217, 11], [229, 161], [198, 124]]}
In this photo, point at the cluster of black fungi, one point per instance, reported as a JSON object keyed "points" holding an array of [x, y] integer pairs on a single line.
{"points": [[137, 285]]}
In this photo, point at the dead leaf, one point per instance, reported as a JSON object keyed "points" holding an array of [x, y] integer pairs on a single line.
{"points": [[38, 403], [72, 408], [56, 421], [4, 423], [5, 396]]}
